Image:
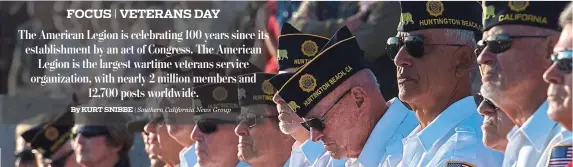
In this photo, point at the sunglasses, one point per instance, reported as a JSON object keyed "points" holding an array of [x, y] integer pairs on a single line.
{"points": [[499, 43], [414, 45], [252, 120], [318, 123], [91, 131], [564, 60], [61, 161], [487, 101], [25, 155], [208, 126]]}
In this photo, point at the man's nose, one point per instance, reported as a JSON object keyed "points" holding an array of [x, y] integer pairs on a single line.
{"points": [[149, 128], [80, 140], [485, 57], [553, 75], [403, 58], [242, 130], [196, 134], [485, 109], [315, 135], [277, 99]]}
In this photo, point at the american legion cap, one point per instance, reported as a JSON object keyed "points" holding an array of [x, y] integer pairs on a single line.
{"points": [[296, 48], [338, 61], [219, 98], [259, 92], [420, 15], [543, 14], [46, 138], [52, 132]]}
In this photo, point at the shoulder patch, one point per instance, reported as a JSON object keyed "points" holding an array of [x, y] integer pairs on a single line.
{"points": [[560, 155], [458, 164]]}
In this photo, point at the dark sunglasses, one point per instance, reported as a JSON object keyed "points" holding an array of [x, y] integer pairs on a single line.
{"points": [[318, 123], [91, 131], [499, 43], [414, 45], [25, 155], [61, 161], [564, 60], [208, 126], [487, 101], [252, 120]]}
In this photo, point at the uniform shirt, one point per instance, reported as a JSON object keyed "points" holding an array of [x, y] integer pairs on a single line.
{"points": [[527, 144], [326, 160], [306, 154], [187, 156], [384, 145], [240, 164], [563, 139], [452, 139]]}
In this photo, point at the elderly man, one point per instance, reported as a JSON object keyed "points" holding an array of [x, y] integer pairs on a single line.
{"points": [[51, 139], [261, 143], [102, 139], [496, 125], [161, 154], [216, 111], [154, 161], [513, 55], [180, 125], [559, 93], [295, 50], [167, 147], [344, 108], [559, 74], [434, 58], [161, 143]]}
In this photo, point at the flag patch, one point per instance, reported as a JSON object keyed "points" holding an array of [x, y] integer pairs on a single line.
{"points": [[560, 156], [458, 164]]}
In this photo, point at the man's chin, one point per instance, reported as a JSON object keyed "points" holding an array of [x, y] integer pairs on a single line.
{"points": [[336, 156]]}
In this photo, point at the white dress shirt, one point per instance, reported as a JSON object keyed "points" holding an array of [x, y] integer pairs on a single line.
{"points": [[527, 144], [384, 145], [451, 139]]}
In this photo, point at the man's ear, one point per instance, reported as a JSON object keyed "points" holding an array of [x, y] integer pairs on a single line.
{"points": [[117, 148], [464, 61], [359, 95]]}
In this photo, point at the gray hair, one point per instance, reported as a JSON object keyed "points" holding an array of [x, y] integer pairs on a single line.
{"points": [[566, 16], [466, 37]]}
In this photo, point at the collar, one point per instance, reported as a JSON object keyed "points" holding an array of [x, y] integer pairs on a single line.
{"points": [[312, 150], [242, 164], [538, 127], [189, 156], [450, 117], [512, 132], [336, 162], [375, 146]]}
